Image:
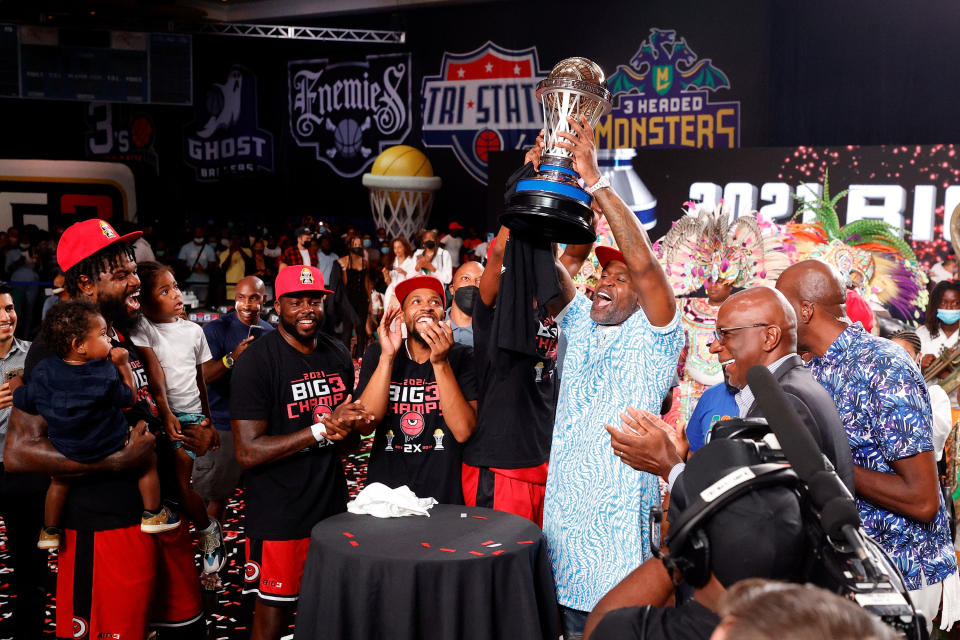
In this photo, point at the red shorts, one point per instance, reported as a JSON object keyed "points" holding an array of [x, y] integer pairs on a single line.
{"points": [[516, 491], [274, 569], [117, 583]]}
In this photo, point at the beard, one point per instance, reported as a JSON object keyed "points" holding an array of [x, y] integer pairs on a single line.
{"points": [[294, 329], [115, 312]]}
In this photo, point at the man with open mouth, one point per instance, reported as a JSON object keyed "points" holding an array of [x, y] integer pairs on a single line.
{"points": [[113, 578], [422, 391], [622, 349]]}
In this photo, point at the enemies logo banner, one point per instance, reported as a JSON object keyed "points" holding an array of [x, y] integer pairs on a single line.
{"points": [[349, 111]]}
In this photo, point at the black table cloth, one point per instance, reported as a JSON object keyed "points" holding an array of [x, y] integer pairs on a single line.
{"points": [[478, 577]]}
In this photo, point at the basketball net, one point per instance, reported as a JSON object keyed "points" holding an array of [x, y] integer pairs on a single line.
{"points": [[401, 204]]}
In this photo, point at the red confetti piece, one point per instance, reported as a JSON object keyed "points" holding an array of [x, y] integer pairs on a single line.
{"points": [[476, 553], [479, 517], [425, 544], [483, 544], [525, 542], [354, 543], [448, 550], [348, 534], [498, 552]]}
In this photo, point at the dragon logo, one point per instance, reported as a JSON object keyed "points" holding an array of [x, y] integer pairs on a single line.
{"points": [[661, 100]]}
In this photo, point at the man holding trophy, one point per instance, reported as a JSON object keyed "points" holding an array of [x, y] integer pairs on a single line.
{"points": [[622, 348]]}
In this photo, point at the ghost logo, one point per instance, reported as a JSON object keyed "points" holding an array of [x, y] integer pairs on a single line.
{"points": [[482, 101], [347, 111], [106, 230], [412, 424], [306, 276], [80, 627], [225, 138]]}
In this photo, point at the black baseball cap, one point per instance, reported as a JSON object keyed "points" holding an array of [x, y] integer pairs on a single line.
{"points": [[303, 231], [758, 535]]}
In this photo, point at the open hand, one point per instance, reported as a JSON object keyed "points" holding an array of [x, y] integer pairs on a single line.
{"points": [[583, 147], [439, 337], [643, 444], [389, 331]]}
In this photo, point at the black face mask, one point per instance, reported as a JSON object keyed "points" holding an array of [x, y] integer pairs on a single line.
{"points": [[357, 250], [465, 298], [430, 244]]}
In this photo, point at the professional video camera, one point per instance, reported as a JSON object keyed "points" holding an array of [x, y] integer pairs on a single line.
{"points": [[840, 555]]}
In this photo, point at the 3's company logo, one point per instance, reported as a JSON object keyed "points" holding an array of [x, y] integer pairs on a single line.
{"points": [[483, 101], [80, 627], [661, 100], [225, 139], [118, 134], [349, 111], [251, 571]]}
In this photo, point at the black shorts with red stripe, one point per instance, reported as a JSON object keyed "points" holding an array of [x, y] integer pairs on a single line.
{"points": [[118, 583], [274, 569]]}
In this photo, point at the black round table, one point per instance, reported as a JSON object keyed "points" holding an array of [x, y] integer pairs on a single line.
{"points": [[464, 572]]}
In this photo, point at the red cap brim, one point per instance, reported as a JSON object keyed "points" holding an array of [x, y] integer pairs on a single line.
{"points": [[410, 285], [606, 254]]}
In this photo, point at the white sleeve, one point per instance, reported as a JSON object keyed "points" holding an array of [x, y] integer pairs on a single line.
{"points": [[942, 418], [203, 349], [445, 268], [145, 334]]}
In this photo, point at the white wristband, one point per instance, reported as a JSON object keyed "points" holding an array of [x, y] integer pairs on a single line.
{"points": [[319, 431]]}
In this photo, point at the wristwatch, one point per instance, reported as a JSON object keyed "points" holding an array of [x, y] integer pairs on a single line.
{"points": [[228, 362], [602, 183]]}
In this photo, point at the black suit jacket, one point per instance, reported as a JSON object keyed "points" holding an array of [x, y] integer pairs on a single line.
{"points": [[817, 412]]}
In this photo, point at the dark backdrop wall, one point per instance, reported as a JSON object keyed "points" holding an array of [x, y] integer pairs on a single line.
{"points": [[822, 72]]}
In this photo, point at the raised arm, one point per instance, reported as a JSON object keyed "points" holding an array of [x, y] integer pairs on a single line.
{"points": [[490, 280], [376, 392], [649, 280]]}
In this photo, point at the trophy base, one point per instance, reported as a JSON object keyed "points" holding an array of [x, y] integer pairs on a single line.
{"points": [[550, 216]]}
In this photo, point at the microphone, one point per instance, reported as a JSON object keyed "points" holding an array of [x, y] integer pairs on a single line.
{"points": [[827, 492]]}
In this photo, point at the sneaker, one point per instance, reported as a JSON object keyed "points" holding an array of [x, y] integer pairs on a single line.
{"points": [[49, 538], [163, 520], [211, 547]]}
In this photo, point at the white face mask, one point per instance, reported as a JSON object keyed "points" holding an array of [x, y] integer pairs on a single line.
{"points": [[198, 240]]}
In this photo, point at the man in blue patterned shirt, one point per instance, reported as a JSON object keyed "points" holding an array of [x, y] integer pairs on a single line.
{"points": [[622, 350], [883, 402]]}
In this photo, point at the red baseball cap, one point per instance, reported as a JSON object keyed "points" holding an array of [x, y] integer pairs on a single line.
{"points": [[455, 226], [606, 254], [83, 239], [408, 286], [299, 278]]}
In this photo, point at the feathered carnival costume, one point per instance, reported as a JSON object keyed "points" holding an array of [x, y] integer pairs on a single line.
{"points": [[703, 247], [869, 254]]}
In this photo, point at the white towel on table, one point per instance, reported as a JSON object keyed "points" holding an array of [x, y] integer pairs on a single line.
{"points": [[381, 501]]}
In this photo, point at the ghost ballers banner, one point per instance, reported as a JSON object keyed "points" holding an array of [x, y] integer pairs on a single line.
{"points": [[910, 187], [349, 112]]}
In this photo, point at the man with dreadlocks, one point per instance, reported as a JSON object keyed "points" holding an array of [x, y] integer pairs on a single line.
{"points": [[113, 580]]}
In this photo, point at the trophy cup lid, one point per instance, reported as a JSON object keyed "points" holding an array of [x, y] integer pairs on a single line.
{"points": [[579, 74]]}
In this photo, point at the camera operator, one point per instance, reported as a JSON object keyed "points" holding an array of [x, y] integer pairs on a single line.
{"points": [[706, 547]]}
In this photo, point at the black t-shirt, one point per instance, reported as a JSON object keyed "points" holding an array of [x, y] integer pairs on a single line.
{"points": [[111, 500], [690, 621], [413, 445], [290, 390], [517, 403]]}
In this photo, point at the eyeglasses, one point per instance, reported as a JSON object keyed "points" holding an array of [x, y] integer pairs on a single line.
{"points": [[721, 332]]}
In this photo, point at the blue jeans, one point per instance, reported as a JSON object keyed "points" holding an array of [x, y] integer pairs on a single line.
{"points": [[573, 621]]}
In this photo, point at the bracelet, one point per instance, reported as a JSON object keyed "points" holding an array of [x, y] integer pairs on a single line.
{"points": [[319, 431]]}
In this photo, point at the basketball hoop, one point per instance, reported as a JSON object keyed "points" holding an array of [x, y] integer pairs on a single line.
{"points": [[401, 204]]}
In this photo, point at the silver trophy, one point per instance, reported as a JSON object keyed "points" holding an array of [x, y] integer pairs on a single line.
{"points": [[553, 205]]}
